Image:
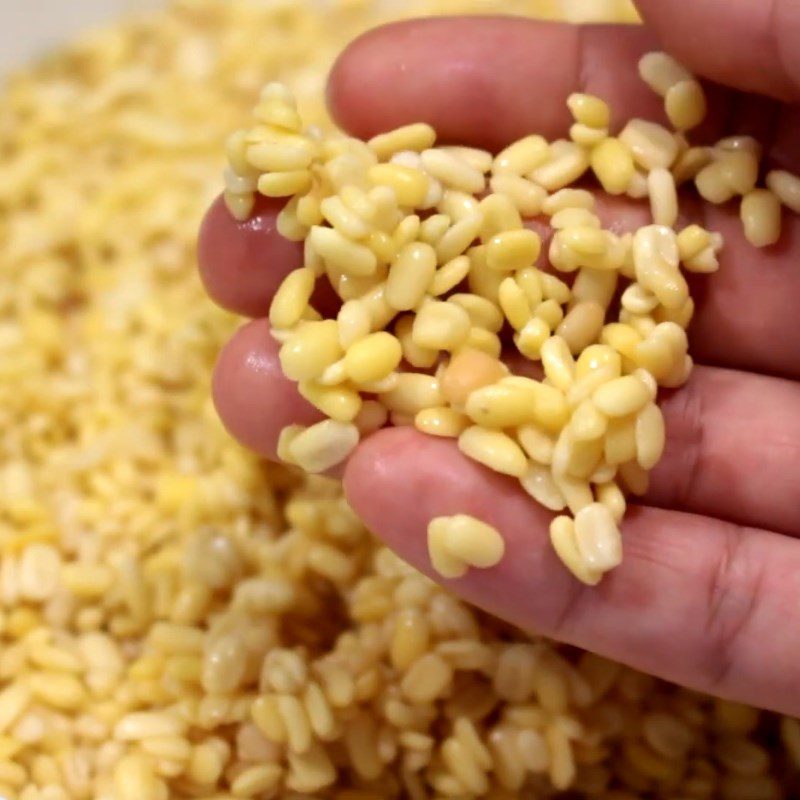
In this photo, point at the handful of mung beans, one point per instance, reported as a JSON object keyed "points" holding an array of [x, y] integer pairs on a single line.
{"points": [[427, 249]]}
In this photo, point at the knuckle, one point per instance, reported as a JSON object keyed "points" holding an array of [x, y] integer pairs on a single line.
{"points": [[735, 587], [687, 440]]}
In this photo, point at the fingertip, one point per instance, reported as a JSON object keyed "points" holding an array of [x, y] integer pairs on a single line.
{"points": [[242, 263], [486, 81], [253, 398], [465, 76], [747, 45]]}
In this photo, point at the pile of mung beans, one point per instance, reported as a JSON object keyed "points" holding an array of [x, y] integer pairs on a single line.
{"points": [[427, 249], [180, 620]]}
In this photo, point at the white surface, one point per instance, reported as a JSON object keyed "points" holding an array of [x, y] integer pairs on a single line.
{"points": [[31, 27]]}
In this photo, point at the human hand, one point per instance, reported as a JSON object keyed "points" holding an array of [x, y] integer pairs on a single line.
{"points": [[709, 592]]}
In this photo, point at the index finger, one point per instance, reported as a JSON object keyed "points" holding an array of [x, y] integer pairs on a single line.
{"points": [[486, 81]]}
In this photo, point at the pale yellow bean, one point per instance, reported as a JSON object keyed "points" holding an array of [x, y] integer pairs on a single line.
{"points": [[493, 449], [410, 275], [372, 358], [598, 538], [761, 217], [562, 537], [622, 396], [440, 326], [441, 421], [538, 482], [650, 436]]}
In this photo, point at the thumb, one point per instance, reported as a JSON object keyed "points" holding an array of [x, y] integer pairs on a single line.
{"points": [[750, 45]]}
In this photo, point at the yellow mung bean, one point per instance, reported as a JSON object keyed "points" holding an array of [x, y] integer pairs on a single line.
{"points": [[482, 312], [513, 250], [499, 405], [610, 495], [522, 157], [410, 186], [294, 153], [530, 339], [651, 144], [416, 137], [514, 304], [292, 298], [493, 449], [467, 540], [311, 348], [539, 483], [457, 205], [529, 280], [351, 258], [581, 326], [598, 538], [372, 357], [712, 184], [558, 363], [411, 393], [685, 104], [554, 288], [459, 237], [526, 196], [692, 240], [446, 564], [661, 72], [589, 110], [419, 357], [433, 228], [595, 286], [410, 275], [663, 197], [354, 323], [427, 678], [449, 275], [537, 443], [656, 258], [323, 445], [787, 187], [440, 326], [441, 421], [474, 156], [621, 397], [650, 436], [567, 162], [568, 198], [761, 217], [739, 168], [562, 537], [499, 215], [548, 402], [586, 136], [453, 171], [284, 184], [342, 218], [337, 402], [574, 217], [587, 422]]}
